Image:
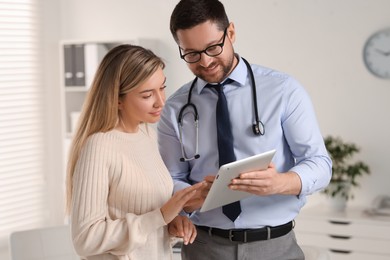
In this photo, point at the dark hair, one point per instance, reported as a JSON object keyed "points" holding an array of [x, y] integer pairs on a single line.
{"points": [[189, 13]]}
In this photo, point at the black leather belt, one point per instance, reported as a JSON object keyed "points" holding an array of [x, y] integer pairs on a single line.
{"points": [[250, 235]]}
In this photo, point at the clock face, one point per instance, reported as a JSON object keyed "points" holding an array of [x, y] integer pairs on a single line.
{"points": [[377, 54]]}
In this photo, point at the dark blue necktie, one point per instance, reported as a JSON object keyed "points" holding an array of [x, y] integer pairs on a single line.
{"points": [[225, 143]]}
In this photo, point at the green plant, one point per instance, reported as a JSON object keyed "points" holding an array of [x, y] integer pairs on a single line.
{"points": [[344, 171]]}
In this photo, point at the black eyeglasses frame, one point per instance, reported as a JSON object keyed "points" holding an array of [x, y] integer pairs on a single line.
{"points": [[205, 50]]}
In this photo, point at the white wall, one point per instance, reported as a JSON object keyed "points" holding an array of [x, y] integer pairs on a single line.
{"points": [[320, 42], [51, 33]]}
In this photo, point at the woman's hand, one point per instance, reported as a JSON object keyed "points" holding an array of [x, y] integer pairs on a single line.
{"points": [[197, 200], [182, 226], [176, 203]]}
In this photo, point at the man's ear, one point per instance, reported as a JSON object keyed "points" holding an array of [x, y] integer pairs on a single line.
{"points": [[231, 32]]}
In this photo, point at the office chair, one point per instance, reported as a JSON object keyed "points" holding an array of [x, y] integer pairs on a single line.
{"points": [[50, 243]]}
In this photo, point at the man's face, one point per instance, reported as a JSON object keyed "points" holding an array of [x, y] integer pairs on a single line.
{"points": [[211, 69]]}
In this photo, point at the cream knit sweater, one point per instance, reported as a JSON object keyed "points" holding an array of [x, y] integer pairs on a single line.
{"points": [[119, 184]]}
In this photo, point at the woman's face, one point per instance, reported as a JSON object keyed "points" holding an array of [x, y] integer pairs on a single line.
{"points": [[144, 103]]}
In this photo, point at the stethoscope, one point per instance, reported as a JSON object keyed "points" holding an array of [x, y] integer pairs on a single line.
{"points": [[257, 127]]}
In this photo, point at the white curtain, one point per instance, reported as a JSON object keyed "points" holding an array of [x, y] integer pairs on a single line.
{"points": [[23, 189]]}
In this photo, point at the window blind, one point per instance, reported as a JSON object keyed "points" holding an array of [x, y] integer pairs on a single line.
{"points": [[23, 191]]}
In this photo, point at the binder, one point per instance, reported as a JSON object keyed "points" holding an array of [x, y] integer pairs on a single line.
{"points": [[81, 62], [93, 55], [79, 65], [68, 65]]}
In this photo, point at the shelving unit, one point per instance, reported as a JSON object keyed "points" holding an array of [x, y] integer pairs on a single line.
{"points": [[79, 61]]}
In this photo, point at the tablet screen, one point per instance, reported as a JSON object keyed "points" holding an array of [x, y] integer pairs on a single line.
{"points": [[220, 194]]}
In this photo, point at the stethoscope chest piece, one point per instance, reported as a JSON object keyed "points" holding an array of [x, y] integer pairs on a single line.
{"points": [[258, 128]]}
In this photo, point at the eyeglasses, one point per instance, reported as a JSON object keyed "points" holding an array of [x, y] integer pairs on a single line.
{"points": [[212, 51]]}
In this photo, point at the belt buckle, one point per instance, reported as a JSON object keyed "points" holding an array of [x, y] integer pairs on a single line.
{"points": [[231, 235]]}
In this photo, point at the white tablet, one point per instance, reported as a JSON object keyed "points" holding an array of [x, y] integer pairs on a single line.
{"points": [[220, 194]]}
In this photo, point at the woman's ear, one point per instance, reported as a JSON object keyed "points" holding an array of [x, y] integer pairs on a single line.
{"points": [[120, 104]]}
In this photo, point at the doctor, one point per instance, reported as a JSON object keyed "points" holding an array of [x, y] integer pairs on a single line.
{"points": [[277, 115]]}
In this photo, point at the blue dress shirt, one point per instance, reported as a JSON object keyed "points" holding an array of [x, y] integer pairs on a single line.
{"points": [[290, 127]]}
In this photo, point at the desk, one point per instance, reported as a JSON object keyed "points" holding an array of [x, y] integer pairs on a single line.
{"points": [[349, 235]]}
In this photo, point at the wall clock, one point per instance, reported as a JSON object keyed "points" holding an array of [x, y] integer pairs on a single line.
{"points": [[376, 54]]}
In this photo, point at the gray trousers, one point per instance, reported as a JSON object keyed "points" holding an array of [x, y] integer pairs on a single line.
{"points": [[206, 247]]}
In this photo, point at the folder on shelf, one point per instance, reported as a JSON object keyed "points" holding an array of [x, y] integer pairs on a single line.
{"points": [[68, 65], [81, 62], [79, 66], [93, 55]]}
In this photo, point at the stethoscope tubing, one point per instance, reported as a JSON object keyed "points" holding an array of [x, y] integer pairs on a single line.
{"points": [[257, 128]]}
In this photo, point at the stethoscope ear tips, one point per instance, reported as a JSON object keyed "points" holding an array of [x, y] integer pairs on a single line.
{"points": [[196, 156]]}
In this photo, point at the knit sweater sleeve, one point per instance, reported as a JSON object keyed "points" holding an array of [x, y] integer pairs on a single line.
{"points": [[94, 230]]}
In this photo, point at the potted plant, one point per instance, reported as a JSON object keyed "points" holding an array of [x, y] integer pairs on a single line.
{"points": [[345, 171]]}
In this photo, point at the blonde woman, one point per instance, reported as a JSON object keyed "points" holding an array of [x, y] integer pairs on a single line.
{"points": [[118, 189]]}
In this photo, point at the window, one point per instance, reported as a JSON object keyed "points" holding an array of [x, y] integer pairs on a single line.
{"points": [[23, 189]]}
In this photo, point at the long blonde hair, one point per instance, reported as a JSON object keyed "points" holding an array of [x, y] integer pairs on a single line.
{"points": [[122, 69]]}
